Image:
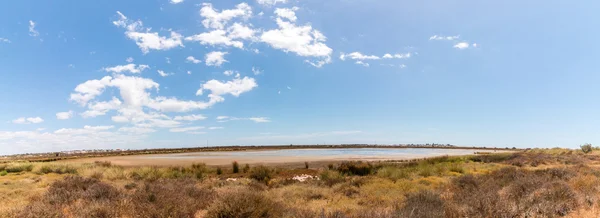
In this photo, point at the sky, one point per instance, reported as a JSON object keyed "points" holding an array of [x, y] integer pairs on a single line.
{"points": [[185, 73]]}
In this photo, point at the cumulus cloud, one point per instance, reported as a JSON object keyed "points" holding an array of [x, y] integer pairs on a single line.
{"points": [[218, 20], [215, 127], [260, 119], [145, 39], [129, 59], [89, 90], [5, 40], [288, 13], [132, 68], [301, 40], [235, 87], [215, 58], [176, 1], [362, 63], [32, 31], [220, 37], [101, 108], [461, 45], [270, 2], [192, 59], [137, 130], [28, 120], [64, 115], [448, 38], [228, 72]]}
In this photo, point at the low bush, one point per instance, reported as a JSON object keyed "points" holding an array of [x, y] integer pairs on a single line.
{"points": [[17, 168], [103, 163], [236, 167], [219, 171], [58, 169], [358, 168], [3, 173], [246, 168], [261, 174], [330, 177], [423, 204], [392, 172], [305, 165], [243, 202], [586, 148]]}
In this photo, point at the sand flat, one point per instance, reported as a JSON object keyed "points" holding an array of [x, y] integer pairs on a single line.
{"points": [[282, 156]]}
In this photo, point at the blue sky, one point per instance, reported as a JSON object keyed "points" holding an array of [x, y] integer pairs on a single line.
{"points": [[145, 74]]}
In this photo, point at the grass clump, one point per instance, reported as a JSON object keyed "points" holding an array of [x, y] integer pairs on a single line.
{"points": [[425, 204], [103, 163], [261, 174], [305, 165], [17, 168], [58, 169], [3, 173], [235, 166], [392, 172], [219, 171], [246, 168]]}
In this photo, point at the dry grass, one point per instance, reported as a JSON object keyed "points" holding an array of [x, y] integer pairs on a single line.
{"points": [[548, 183]]}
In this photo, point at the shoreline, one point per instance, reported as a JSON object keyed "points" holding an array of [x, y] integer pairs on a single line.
{"points": [[224, 158]]}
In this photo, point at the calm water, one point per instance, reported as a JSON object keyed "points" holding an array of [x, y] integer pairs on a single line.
{"points": [[333, 153]]}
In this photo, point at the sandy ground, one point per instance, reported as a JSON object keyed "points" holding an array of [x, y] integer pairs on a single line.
{"points": [[224, 158]]}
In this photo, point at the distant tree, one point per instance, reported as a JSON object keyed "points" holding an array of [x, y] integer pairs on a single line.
{"points": [[586, 148]]}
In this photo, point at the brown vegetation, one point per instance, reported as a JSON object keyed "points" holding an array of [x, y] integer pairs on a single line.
{"points": [[552, 183]]}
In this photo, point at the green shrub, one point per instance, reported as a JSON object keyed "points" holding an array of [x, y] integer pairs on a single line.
{"points": [[586, 148], [17, 168], [219, 171], [425, 170], [58, 169], [425, 204], [261, 174], [393, 173], [457, 168], [236, 167], [199, 170], [3, 173], [358, 168], [330, 177], [2, 167]]}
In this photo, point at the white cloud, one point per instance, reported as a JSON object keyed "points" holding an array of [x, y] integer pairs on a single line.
{"points": [[132, 68], [256, 71], [301, 40], [228, 72], [136, 130], [218, 20], [64, 115], [193, 117], [289, 88], [163, 74], [189, 72], [5, 40], [475, 45], [32, 31], [192, 59], [260, 119], [222, 117], [288, 13], [28, 120], [270, 2], [234, 87], [239, 31], [186, 129], [215, 127], [362, 63], [215, 58], [449, 38], [196, 133], [358, 56], [168, 60], [176, 1], [129, 59], [402, 66], [399, 56], [214, 38], [85, 130], [101, 108], [89, 90], [461, 45], [145, 39]]}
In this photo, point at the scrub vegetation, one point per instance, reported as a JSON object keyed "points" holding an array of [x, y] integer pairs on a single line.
{"points": [[533, 183]]}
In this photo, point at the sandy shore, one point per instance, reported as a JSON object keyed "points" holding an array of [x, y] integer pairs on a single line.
{"points": [[254, 157]]}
